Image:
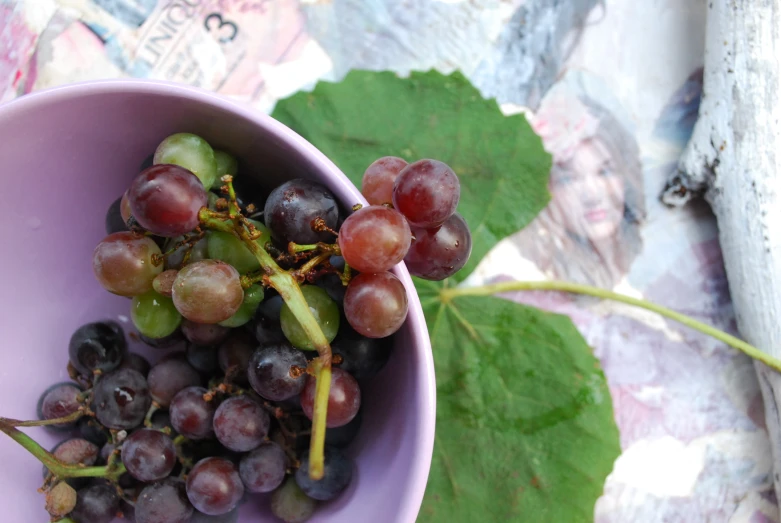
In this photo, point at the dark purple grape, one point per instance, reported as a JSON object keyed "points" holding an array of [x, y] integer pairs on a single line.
{"points": [[166, 342], [292, 208], [426, 192], [263, 469], [204, 333], [271, 308], [362, 357], [341, 437], [236, 352], [164, 502], [214, 486], [290, 504], [136, 362], [128, 512], [98, 503], [191, 415], [344, 399], [148, 455], [162, 419], [440, 253], [337, 475], [58, 401], [271, 371], [165, 200], [97, 346], [114, 220], [92, 431], [203, 358], [122, 399], [170, 376], [268, 331], [241, 424]]}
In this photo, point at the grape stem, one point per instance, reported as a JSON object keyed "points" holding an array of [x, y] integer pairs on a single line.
{"points": [[70, 418], [575, 288], [296, 248], [58, 468], [287, 287]]}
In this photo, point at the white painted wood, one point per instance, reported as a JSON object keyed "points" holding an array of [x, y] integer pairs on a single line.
{"points": [[734, 159]]}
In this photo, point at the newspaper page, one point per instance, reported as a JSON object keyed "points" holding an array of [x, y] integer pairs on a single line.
{"points": [[612, 86]]}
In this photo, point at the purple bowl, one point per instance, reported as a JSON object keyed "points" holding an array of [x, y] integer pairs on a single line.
{"points": [[67, 153]]}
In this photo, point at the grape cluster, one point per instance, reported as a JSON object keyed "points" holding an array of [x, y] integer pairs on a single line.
{"points": [[226, 410]]}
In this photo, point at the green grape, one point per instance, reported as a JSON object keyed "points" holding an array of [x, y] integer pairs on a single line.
{"points": [[323, 308], [226, 247], [226, 164], [191, 152], [154, 315], [252, 298]]}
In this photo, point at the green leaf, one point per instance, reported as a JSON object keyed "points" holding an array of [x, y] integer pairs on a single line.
{"points": [[499, 160], [525, 427]]}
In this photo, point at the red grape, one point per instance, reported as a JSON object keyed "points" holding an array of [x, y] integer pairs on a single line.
{"points": [[170, 376], [124, 208], [375, 305], [344, 399], [191, 415], [436, 254], [374, 239], [58, 401], [214, 486], [165, 200], [208, 291], [148, 455], [427, 193], [377, 183], [241, 424], [164, 282], [122, 263]]}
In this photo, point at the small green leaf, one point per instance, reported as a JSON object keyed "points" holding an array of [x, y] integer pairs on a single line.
{"points": [[525, 428], [499, 160]]}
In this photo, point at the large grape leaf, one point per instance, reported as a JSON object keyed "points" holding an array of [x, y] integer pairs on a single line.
{"points": [[525, 427]]}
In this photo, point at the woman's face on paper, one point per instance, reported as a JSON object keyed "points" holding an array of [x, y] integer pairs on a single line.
{"points": [[588, 193]]}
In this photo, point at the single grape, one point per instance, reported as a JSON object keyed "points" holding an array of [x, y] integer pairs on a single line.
{"points": [[170, 376], [202, 358], [230, 249], [253, 295], [92, 431], [122, 399], [165, 342], [114, 220], [437, 254], [98, 503], [332, 284], [204, 333], [426, 192], [164, 282], [97, 346], [322, 307], [276, 372], [337, 475], [375, 305], [164, 502], [241, 424], [344, 399], [199, 251], [374, 239], [226, 164], [362, 357], [122, 263], [60, 500], [271, 308], [148, 455], [58, 401], [191, 415], [191, 152], [154, 315], [77, 451], [341, 437], [235, 352], [208, 291], [377, 183], [292, 208], [263, 469], [214, 486], [165, 200], [290, 504]]}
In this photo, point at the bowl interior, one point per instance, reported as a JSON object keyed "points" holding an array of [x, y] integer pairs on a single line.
{"points": [[68, 153]]}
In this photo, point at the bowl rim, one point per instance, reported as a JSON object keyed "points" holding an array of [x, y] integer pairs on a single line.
{"points": [[424, 442]]}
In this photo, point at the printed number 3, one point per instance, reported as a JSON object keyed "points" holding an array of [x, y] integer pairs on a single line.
{"points": [[214, 27]]}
